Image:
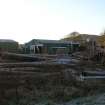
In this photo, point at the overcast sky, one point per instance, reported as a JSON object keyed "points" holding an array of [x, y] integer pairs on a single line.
{"points": [[23, 20]]}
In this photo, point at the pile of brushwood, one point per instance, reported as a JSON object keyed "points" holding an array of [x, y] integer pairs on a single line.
{"points": [[27, 83]]}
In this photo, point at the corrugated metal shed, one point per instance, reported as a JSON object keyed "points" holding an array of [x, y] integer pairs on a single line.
{"points": [[52, 46]]}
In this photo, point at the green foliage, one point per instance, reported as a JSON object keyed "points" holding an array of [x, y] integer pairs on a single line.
{"points": [[101, 40], [73, 38]]}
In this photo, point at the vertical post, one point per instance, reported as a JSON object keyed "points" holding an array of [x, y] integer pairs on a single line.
{"points": [[34, 49], [71, 47], [30, 49], [37, 48]]}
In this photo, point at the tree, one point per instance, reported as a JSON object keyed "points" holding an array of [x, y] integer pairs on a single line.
{"points": [[74, 36], [101, 39]]}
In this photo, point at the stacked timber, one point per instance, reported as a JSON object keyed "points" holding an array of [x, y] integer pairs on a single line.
{"points": [[17, 74]]}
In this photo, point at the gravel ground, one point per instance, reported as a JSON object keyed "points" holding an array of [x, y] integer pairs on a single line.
{"points": [[91, 100]]}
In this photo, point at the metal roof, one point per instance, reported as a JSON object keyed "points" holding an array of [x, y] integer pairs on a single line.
{"points": [[6, 40], [52, 41]]}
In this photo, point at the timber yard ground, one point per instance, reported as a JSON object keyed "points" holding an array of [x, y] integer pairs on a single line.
{"points": [[50, 80]]}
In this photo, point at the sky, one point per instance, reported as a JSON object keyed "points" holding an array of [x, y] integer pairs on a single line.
{"points": [[23, 20]]}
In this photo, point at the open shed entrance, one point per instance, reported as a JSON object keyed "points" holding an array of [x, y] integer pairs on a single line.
{"points": [[36, 49]]}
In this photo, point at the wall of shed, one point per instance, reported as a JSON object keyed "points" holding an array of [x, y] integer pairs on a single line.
{"points": [[9, 46], [53, 48]]}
